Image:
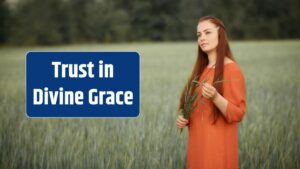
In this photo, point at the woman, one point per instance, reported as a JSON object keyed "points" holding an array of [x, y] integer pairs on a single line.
{"points": [[220, 105]]}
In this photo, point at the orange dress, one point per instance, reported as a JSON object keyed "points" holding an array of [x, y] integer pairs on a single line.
{"points": [[215, 146]]}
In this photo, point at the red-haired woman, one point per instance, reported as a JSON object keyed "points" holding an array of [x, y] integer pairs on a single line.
{"points": [[213, 125]]}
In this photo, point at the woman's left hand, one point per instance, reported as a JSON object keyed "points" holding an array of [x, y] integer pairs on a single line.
{"points": [[208, 91]]}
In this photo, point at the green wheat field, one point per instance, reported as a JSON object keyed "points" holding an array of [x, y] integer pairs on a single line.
{"points": [[269, 134]]}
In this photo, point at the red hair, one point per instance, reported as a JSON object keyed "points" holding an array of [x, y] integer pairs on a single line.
{"points": [[223, 50]]}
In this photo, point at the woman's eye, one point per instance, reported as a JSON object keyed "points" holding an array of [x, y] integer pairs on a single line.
{"points": [[207, 33]]}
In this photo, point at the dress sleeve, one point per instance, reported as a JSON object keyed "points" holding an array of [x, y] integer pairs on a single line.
{"points": [[235, 93]]}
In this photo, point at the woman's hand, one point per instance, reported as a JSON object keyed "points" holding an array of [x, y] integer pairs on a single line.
{"points": [[208, 91], [181, 122]]}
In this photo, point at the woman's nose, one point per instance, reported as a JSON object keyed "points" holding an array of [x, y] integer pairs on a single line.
{"points": [[202, 38]]}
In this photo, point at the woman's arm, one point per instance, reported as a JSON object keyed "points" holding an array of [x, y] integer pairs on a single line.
{"points": [[233, 103], [220, 102], [211, 93]]}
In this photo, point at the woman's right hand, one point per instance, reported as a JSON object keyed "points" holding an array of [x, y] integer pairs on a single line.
{"points": [[181, 122]]}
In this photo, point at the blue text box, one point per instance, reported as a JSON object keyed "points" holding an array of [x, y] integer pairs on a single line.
{"points": [[102, 84]]}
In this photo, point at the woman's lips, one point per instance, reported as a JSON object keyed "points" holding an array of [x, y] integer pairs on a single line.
{"points": [[203, 44]]}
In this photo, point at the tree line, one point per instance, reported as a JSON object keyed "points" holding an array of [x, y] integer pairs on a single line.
{"points": [[47, 22]]}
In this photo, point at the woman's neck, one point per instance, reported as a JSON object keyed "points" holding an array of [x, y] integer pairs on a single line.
{"points": [[212, 57]]}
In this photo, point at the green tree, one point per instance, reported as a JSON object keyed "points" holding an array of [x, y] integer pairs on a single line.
{"points": [[4, 19]]}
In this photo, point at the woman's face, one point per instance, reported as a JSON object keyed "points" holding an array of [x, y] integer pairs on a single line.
{"points": [[207, 34]]}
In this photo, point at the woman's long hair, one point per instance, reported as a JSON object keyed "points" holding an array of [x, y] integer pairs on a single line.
{"points": [[223, 50]]}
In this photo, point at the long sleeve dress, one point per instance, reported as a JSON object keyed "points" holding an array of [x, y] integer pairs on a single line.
{"points": [[215, 146]]}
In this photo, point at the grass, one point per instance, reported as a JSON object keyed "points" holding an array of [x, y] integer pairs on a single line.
{"points": [[268, 135]]}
